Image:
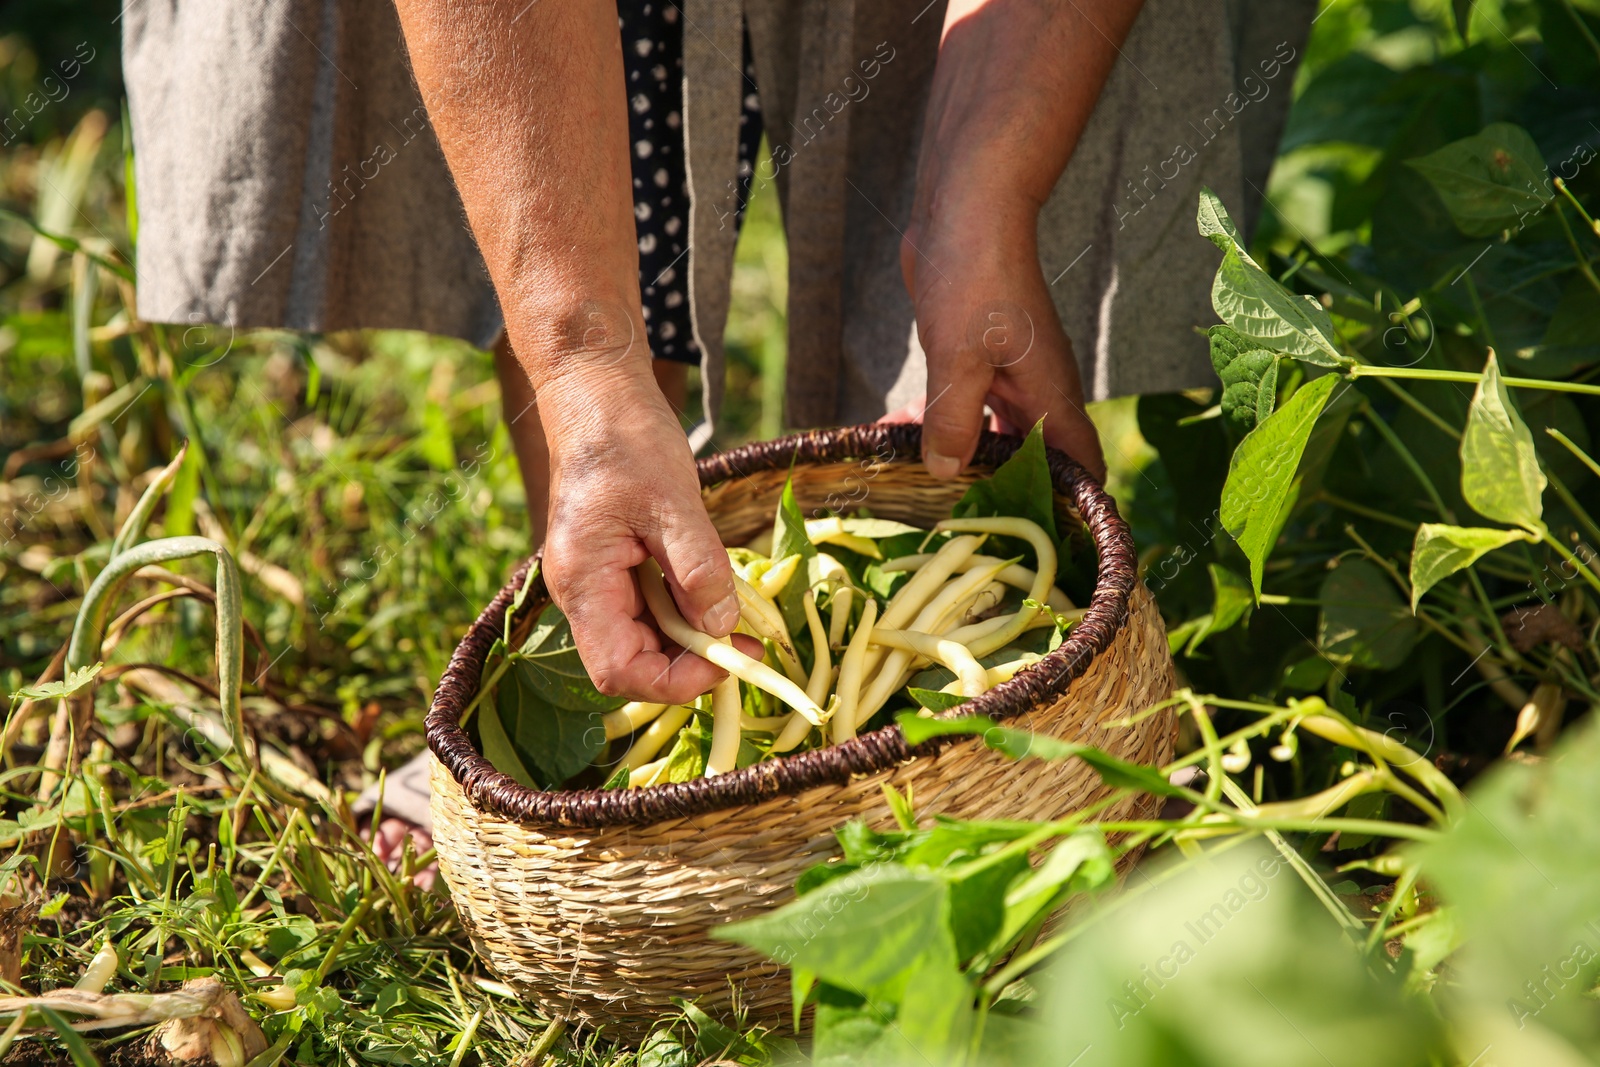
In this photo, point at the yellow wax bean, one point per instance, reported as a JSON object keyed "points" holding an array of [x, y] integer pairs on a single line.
{"points": [[832, 532], [974, 679], [1045, 577], [646, 775], [903, 609], [648, 744], [765, 620], [821, 662], [777, 576], [725, 712], [850, 673], [719, 651], [1016, 576], [628, 718]]}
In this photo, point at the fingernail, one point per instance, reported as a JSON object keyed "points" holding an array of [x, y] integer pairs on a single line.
{"points": [[722, 618], [943, 467]]}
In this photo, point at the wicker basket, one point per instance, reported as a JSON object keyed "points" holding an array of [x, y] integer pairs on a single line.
{"points": [[598, 904]]}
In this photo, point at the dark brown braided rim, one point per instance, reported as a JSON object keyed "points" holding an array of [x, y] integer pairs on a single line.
{"points": [[499, 794]]}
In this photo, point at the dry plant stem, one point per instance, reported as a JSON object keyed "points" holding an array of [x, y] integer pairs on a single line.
{"points": [[851, 668], [657, 734], [821, 662], [720, 652], [1489, 667], [133, 527], [725, 709], [72, 724], [628, 718]]}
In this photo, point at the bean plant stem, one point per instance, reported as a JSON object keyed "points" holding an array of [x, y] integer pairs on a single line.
{"points": [[1408, 878], [1566, 553], [1420, 408], [1577, 253], [1368, 370], [1577, 509], [1364, 511]]}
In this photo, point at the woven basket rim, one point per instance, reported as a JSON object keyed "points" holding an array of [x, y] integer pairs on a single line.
{"points": [[495, 793]]}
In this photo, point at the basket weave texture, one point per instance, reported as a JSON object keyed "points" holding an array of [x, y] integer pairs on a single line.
{"points": [[599, 905]]}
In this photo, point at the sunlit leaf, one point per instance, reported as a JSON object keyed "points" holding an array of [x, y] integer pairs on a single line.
{"points": [[1441, 550], [1261, 473], [72, 683], [1500, 474]]}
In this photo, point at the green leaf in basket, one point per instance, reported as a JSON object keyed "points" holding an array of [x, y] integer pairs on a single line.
{"points": [[495, 736], [619, 779], [1017, 744], [556, 741], [934, 700], [1020, 487], [686, 761], [550, 664], [789, 539]]}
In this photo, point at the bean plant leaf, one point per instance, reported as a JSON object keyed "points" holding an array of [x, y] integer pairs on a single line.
{"points": [[1021, 486], [1216, 224], [686, 761], [1363, 620], [1118, 773], [495, 726], [1196, 972], [934, 700], [1232, 602], [1440, 550], [557, 741], [789, 539], [1081, 863], [1500, 474], [72, 683], [864, 932], [550, 663], [1256, 496], [1259, 309], [1518, 870], [1492, 181], [1249, 375]]}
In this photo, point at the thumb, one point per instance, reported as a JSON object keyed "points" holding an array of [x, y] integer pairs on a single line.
{"points": [[696, 567], [954, 413]]}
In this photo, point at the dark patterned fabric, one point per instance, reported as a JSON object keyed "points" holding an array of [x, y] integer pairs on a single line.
{"points": [[652, 60]]}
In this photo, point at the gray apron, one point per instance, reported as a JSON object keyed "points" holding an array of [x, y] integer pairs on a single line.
{"points": [[287, 177]]}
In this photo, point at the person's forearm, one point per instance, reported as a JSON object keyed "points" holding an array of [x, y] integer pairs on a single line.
{"points": [[528, 103], [1013, 89]]}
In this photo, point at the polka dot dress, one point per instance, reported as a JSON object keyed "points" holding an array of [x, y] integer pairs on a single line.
{"points": [[652, 60]]}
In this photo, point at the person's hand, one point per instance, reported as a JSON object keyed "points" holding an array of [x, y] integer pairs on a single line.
{"points": [[623, 488], [1011, 94], [991, 334]]}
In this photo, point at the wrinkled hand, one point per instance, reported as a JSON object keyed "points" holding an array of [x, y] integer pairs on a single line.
{"points": [[623, 488], [991, 334]]}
